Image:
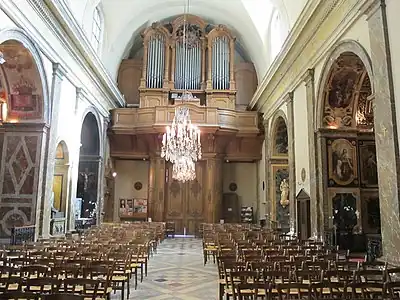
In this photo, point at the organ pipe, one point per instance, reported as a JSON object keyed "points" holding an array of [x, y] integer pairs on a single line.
{"points": [[220, 69], [155, 61]]}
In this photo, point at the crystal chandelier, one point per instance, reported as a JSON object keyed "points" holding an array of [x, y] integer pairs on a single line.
{"points": [[181, 143], [184, 170]]}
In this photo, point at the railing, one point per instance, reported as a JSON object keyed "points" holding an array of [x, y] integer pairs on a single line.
{"points": [[23, 234]]}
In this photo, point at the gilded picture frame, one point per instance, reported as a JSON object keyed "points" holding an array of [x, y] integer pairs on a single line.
{"points": [[368, 164], [342, 162]]}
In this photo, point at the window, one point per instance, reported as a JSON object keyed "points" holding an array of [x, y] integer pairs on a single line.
{"points": [[276, 34], [96, 29]]}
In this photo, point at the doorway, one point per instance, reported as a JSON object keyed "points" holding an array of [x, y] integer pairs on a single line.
{"points": [[303, 215], [185, 204]]}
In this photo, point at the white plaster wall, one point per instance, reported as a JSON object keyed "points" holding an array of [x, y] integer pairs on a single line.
{"points": [[5, 21], [301, 145], [245, 176], [69, 127], [129, 172], [360, 33], [54, 49], [393, 8]]}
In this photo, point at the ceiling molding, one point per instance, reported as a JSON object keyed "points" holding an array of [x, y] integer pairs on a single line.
{"points": [[309, 41], [79, 50]]}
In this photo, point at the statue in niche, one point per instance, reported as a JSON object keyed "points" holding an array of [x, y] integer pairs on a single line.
{"points": [[284, 187]]}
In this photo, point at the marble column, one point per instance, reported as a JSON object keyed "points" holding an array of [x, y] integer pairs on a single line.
{"points": [[386, 137], [58, 75], [267, 153], [309, 82], [101, 172], [292, 162]]}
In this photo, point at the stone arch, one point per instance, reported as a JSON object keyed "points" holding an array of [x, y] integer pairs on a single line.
{"points": [[278, 164], [340, 48], [89, 168], [346, 146], [18, 35], [92, 110], [60, 178], [277, 123]]}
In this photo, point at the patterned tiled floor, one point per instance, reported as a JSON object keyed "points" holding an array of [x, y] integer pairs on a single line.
{"points": [[177, 272]]}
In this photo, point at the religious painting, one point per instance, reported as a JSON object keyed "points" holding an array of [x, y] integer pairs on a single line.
{"points": [[342, 89], [280, 142], [57, 190], [371, 215], [368, 164], [280, 175], [342, 161], [24, 101]]}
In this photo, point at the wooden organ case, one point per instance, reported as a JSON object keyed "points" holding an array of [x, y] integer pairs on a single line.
{"points": [[206, 68], [152, 83]]}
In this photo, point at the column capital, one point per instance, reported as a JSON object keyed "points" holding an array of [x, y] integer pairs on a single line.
{"points": [[289, 97], [370, 7], [308, 76], [81, 93], [59, 70], [265, 122]]}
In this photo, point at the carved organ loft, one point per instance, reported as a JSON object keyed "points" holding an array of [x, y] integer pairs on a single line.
{"points": [[218, 72]]}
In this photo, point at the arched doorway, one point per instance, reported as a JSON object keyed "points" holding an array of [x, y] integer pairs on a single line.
{"points": [[279, 170], [24, 113], [60, 181], [60, 195], [89, 163], [346, 125]]}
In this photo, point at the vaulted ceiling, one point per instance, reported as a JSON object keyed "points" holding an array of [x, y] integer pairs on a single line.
{"points": [[248, 19]]}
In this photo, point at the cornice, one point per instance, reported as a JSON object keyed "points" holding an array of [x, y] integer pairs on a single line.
{"points": [[108, 90], [60, 14], [59, 70], [327, 23]]}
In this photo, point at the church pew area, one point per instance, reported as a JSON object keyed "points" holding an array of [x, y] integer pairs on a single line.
{"points": [[256, 263], [103, 260]]}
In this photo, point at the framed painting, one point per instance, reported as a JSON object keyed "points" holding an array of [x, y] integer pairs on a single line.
{"points": [[368, 164], [125, 207], [342, 162], [371, 215]]}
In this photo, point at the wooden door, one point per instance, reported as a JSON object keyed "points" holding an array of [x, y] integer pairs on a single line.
{"points": [[230, 208], [303, 219], [185, 201]]}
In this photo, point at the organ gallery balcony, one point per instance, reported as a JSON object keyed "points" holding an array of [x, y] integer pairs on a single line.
{"points": [[209, 119]]}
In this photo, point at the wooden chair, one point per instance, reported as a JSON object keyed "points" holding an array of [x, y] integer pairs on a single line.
{"points": [[61, 296], [18, 295]]}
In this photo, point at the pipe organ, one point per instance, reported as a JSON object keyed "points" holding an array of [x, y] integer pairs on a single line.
{"points": [[155, 61], [189, 55]]}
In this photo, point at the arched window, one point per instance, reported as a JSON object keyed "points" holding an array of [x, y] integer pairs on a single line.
{"points": [[97, 29], [276, 34]]}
